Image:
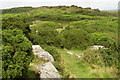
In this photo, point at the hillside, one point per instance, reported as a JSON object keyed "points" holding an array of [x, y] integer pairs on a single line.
{"points": [[67, 33]]}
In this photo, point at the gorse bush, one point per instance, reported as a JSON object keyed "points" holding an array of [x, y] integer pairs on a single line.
{"points": [[45, 33], [75, 38], [16, 22], [103, 39], [16, 53], [110, 57], [93, 57], [102, 57], [75, 35]]}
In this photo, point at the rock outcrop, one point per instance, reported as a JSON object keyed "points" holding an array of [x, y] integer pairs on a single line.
{"points": [[48, 70], [41, 53]]}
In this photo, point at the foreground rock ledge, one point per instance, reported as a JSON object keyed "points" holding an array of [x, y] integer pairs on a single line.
{"points": [[48, 70]]}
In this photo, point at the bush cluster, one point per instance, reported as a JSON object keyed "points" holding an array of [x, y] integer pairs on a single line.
{"points": [[103, 39], [16, 53], [16, 47], [102, 57]]}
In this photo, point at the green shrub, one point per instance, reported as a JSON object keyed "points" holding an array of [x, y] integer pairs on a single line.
{"points": [[110, 57], [75, 38], [17, 22], [93, 57], [45, 35], [53, 51], [16, 53], [103, 39], [102, 57]]}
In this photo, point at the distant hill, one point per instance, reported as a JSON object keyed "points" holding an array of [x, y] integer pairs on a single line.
{"points": [[71, 9]]}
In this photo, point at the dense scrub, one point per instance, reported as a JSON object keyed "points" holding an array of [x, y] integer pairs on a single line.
{"points": [[77, 34], [16, 47], [16, 53], [103, 39], [16, 23], [103, 58], [75, 38], [45, 33]]}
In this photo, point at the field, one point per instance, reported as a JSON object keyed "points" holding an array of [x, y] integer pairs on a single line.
{"points": [[60, 29]]}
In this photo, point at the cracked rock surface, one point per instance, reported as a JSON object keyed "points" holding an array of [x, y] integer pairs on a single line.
{"points": [[47, 71], [41, 53]]}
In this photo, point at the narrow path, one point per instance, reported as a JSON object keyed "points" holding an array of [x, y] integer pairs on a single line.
{"points": [[74, 66]]}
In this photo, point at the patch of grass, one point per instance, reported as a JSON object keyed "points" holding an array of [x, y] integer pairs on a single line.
{"points": [[73, 65], [80, 69], [35, 61]]}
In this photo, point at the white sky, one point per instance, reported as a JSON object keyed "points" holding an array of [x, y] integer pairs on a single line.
{"points": [[100, 4]]}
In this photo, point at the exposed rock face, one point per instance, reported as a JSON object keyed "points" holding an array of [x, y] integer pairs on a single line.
{"points": [[40, 53], [48, 70]]}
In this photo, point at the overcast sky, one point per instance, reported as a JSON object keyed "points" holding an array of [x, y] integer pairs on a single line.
{"points": [[100, 4]]}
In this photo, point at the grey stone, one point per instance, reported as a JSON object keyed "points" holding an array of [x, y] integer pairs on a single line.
{"points": [[41, 53], [48, 70]]}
